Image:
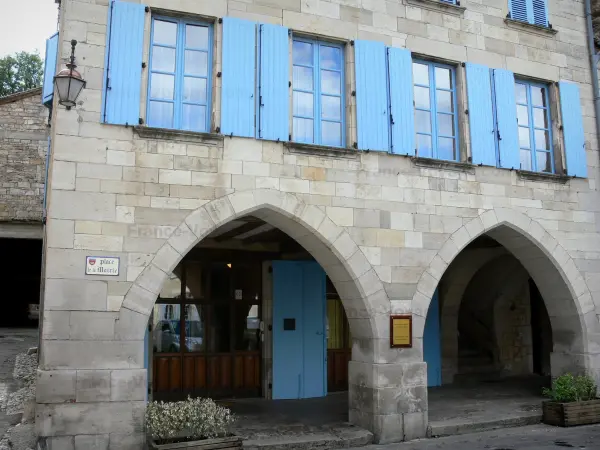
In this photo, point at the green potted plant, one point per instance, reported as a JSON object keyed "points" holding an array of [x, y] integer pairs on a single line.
{"points": [[572, 402], [192, 424]]}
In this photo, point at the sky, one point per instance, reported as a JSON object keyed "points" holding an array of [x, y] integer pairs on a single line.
{"points": [[26, 24]]}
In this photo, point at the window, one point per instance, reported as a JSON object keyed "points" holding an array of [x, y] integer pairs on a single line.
{"points": [[180, 67], [535, 134], [534, 12], [318, 102], [435, 110]]}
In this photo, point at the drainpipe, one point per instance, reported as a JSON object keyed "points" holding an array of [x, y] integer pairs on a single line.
{"points": [[594, 58]]}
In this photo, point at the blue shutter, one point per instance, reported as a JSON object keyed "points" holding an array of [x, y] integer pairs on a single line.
{"points": [[432, 351], [540, 12], [123, 63], [506, 119], [373, 125], [274, 77], [481, 115], [572, 121], [402, 107], [50, 69], [518, 10], [239, 67]]}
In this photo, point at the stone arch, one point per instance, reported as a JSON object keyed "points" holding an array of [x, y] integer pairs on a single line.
{"points": [[565, 292], [361, 291]]}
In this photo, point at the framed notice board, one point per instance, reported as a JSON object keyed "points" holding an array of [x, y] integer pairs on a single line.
{"points": [[401, 331]]}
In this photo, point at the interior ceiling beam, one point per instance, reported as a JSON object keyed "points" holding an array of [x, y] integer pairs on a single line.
{"points": [[273, 235], [245, 228]]}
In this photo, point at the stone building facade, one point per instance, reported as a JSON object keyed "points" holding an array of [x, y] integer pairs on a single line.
{"points": [[387, 228]]}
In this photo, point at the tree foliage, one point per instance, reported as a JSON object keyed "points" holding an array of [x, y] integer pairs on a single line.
{"points": [[20, 72]]}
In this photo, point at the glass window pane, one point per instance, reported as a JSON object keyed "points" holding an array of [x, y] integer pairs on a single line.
{"points": [[160, 115], [525, 160], [538, 97], [166, 337], [246, 328], [162, 86], [165, 33], [540, 118], [544, 162], [331, 107], [331, 134], [331, 82], [331, 57], [542, 141], [444, 101], [302, 53], [196, 63], [522, 115], [194, 90], [443, 78], [524, 137], [420, 74], [422, 97], [193, 118], [303, 130], [521, 93], [163, 59], [303, 78], [303, 104], [446, 149], [445, 124], [195, 281], [219, 334], [424, 146], [196, 37], [194, 328], [423, 121]]}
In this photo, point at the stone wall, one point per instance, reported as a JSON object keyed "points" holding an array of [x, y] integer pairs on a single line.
{"points": [[23, 146]]}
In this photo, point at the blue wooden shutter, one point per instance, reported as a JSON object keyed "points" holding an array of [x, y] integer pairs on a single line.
{"points": [[481, 115], [540, 12], [239, 75], [401, 101], [123, 64], [274, 78], [506, 119], [432, 352], [50, 69], [572, 121], [373, 125], [518, 10]]}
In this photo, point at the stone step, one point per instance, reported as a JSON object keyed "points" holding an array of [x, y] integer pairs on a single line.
{"points": [[455, 427], [342, 438]]}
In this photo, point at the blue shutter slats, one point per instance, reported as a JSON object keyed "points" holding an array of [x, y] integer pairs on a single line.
{"points": [[506, 119], [50, 69], [274, 77], [371, 95], [239, 77], [401, 101], [123, 66], [540, 12], [531, 11], [518, 10], [572, 121], [481, 115]]}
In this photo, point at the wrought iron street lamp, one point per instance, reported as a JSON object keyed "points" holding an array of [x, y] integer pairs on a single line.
{"points": [[69, 82]]}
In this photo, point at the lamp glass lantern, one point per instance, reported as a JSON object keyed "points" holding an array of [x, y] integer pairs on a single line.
{"points": [[69, 82]]}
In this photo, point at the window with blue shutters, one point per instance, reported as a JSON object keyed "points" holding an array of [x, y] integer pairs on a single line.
{"points": [[435, 110], [534, 12], [534, 126], [179, 87], [318, 86]]}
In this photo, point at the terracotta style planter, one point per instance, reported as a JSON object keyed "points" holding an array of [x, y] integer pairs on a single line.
{"points": [[571, 414], [233, 442]]}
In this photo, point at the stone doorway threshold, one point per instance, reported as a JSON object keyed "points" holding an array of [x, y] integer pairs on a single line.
{"points": [[485, 405], [297, 424]]}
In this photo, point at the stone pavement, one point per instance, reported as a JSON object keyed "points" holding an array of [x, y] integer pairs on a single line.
{"points": [[534, 437]]}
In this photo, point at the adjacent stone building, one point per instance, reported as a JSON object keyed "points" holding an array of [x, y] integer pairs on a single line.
{"points": [[251, 163]]}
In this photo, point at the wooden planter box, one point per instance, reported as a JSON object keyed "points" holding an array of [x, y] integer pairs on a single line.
{"points": [[233, 442], [571, 414]]}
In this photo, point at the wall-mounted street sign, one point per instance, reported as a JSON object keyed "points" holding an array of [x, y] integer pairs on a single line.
{"points": [[401, 331], [101, 265]]}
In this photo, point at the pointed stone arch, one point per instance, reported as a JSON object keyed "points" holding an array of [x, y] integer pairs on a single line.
{"points": [[360, 289], [565, 292]]}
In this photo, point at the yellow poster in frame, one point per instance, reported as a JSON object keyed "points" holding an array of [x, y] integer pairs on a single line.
{"points": [[401, 331]]}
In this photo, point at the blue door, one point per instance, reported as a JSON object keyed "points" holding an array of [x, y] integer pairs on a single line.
{"points": [[299, 350], [432, 343]]}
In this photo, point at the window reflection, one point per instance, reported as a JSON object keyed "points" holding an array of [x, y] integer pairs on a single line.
{"points": [[166, 329], [246, 327], [194, 328]]}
